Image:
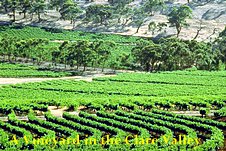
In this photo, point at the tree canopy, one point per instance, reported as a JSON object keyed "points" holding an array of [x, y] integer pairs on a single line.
{"points": [[178, 16]]}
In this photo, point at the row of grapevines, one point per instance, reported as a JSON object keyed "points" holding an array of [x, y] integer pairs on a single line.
{"points": [[221, 125], [141, 132], [16, 131], [197, 73], [81, 128], [40, 131], [214, 142], [31, 73], [61, 130], [61, 34], [160, 130], [6, 66], [4, 139], [103, 127], [161, 78], [175, 127], [221, 113], [126, 127], [123, 88], [21, 108]]}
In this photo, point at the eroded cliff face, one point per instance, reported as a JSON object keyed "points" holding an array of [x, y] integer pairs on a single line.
{"points": [[209, 19]]}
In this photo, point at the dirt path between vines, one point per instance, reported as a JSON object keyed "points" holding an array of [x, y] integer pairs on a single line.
{"points": [[89, 78]]}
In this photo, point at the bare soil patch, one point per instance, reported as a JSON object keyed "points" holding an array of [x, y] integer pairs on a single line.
{"points": [[4, 81]]}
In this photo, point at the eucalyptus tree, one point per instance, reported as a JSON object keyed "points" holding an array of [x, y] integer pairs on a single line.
{"points": [[55, 56], [57, 4], [98, 13], [21, 49], [8, 46], [69, 10], [103, 50], [63, 48], [178, 16], [138, 18], [25, 6], [5, 4], [153, 5], [38, 7], [120, 8], [31, 49], [220, 44], [39, 51], [176, 54], [13, 7], [147, 54], [95, 56]]}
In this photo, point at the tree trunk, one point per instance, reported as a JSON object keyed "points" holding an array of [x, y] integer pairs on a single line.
{"points": [[6, 9], [147, 66], [152, 66], [198, 31], [127, 20], [178, 31], [65, 63], [14, 15], [103, 67], [138, 28], [31, 16], [25, 15], [119, 20], [9, 58], [101, 20], [39, 16]]}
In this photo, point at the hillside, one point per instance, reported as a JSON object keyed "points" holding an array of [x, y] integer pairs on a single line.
{"points": [[210, 15]]}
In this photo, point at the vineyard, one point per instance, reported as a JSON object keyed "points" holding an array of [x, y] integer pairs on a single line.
{"points": [[131, 111], [56, 37], [112, 75], [61, 34], [76, 49], [19, 70]]}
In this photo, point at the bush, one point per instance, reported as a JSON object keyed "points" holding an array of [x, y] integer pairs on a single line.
{"points": [[204, 111]]}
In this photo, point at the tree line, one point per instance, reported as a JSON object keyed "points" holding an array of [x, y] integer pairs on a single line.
{"points": [[84, 53], [166, 54], [175, 54], [115, 11], [80, 53]]}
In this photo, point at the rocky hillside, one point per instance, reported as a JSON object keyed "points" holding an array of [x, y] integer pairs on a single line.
{"points": [[210, 17]]}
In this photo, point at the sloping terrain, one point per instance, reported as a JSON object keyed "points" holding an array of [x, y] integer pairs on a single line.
{"points": [[211, 16]]}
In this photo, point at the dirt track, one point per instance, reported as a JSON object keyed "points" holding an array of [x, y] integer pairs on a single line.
{"points": [[4, 81]]}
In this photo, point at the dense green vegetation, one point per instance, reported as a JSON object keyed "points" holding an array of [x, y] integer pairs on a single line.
{"points": [[169, 78], [126, 105], [39, 45], [138, 125], [105, 50], [128, 52], [134, 108], [26, 32], [19, 70], [221, 112], [195, 90]]}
